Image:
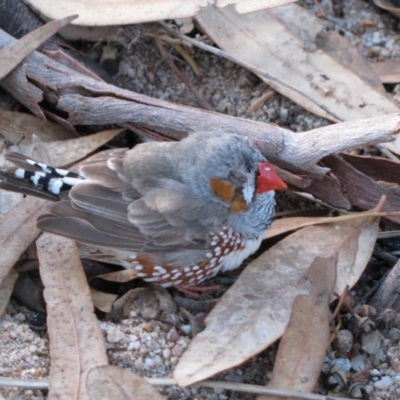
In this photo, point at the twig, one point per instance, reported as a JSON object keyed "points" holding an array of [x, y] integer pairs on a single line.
{"points": [[179, 74], [239, 387], [260, 101], [24, 383], [243, 387]]}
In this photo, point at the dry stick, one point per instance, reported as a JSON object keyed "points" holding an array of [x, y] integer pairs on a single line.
{"points": [[239, 387], [342, 298], [260, 101], [112, 105], [246, 65], [179, 74]]}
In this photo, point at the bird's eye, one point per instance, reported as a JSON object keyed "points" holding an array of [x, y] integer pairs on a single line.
{"points": [[249, 166], [237, 177]]}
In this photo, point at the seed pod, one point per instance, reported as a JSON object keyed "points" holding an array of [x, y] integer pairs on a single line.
{"points": [[358, 391], [343, 341], [336, 381], [360, 324], [366, 311]]}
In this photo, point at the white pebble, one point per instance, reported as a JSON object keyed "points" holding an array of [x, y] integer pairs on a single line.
{"points": [[383, 383], [115, 335]]}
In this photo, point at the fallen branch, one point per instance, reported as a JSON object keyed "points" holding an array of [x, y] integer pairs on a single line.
{"points": [[92, 102]]}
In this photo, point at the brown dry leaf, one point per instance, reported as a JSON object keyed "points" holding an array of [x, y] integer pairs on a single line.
{"points": [[103, 301], [283, 42], [284, 225], [254, 312], [388, 6], [109, 382], [362, 191], [387, 296], [303, 345], [65, 152], [17, 231], [76, 341], [8, 200], [336, 46], [388, 70], [15, 53], [121, 12], [377, 168], [18, 127], [124, 275], [6, 289]]}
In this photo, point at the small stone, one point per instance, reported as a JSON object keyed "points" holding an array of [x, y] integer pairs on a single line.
{"points": [[283, 114], [358, 362], [32, 348], [383, 383], [177, 350], [342, 364], [20, 317], [394, 335], [187, 329], [166, 353], [172, 335], [371, 342], [149, 362], [376, 37], [115, 335]]}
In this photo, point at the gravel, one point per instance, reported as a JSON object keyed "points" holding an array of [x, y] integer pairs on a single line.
{"points": [[151, 348]]}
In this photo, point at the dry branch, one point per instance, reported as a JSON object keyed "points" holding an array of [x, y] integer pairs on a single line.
{"points": [[90, 101]]}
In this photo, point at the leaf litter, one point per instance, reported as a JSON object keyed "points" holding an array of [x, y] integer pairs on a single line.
{"points": [[353, 249]]}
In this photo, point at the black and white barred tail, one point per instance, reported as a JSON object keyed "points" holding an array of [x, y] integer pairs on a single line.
{"points": [[31, 177]]}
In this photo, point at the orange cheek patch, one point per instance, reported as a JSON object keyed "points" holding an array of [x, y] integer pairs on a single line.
{"points": [[223, 189], [238, 204]]}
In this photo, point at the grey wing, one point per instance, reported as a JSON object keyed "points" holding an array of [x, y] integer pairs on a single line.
{"points": [[106, 210]]}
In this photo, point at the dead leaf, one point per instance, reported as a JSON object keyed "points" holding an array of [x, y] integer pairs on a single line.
{"points": [[6, 289], [103, 301], [377, 168], [336, 46], [66, 152], [254, 312], [284, 225], [329, 190], [109, 382], [17, 231], [284, 39], [124, 275], [362, 191], [15, 53], [387, 295], [76, 341], [125, 12], [8, 200], [388, 6], [306, 339], [388, 70], [18, 127]]}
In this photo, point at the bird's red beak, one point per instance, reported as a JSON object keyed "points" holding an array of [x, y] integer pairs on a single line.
{"points": [[268, 179]]}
